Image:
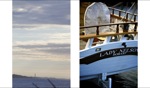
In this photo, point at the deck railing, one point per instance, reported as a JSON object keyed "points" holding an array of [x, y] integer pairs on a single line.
{"points": [[122, 11], [110, 24]]}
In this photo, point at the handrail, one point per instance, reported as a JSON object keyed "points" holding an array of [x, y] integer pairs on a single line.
{"points": [[121, 18], [122, 11], [109, 24], [105, 34]]}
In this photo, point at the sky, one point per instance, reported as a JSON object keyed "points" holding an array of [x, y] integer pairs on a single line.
{"points": [[41, 38]]}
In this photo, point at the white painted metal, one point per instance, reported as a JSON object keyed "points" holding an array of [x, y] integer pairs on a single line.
{"points": [[107, 40], [110, 82], [109, 65], [136, 37], [123, 38], [112, 65], [104, 76], [89, 43], [111, 45]]}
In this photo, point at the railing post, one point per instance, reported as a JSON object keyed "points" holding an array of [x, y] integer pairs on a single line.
{"points": [[125, 27], [127, 16], [113, 11], [135, 27], [117, 30], [134, 18], [119, 13], [97, 30]]}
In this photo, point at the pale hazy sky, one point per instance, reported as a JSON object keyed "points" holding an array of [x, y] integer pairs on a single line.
{"points": [[41, 38]]}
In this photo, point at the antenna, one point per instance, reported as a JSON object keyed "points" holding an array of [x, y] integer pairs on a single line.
{"points": [[35, 75]]}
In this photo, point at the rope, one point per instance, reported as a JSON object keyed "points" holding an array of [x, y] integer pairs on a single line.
{"points": [[127, 11]]}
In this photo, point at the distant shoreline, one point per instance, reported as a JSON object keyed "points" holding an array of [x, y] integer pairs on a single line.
{"points": [[21, 76]]}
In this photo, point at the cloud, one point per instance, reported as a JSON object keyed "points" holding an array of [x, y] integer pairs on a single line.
{"points": [[49, 48], [41, 37], [40, 26], [20, 10], [36, 55], [43, 50], [40, 33], [45, 12], [45, 45]]}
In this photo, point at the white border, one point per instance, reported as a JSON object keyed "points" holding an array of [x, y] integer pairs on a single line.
{"points": [[5, 44], [75, 44], [144, 44]]}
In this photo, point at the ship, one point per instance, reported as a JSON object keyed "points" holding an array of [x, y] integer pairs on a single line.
{"points": [[111, 43]]}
